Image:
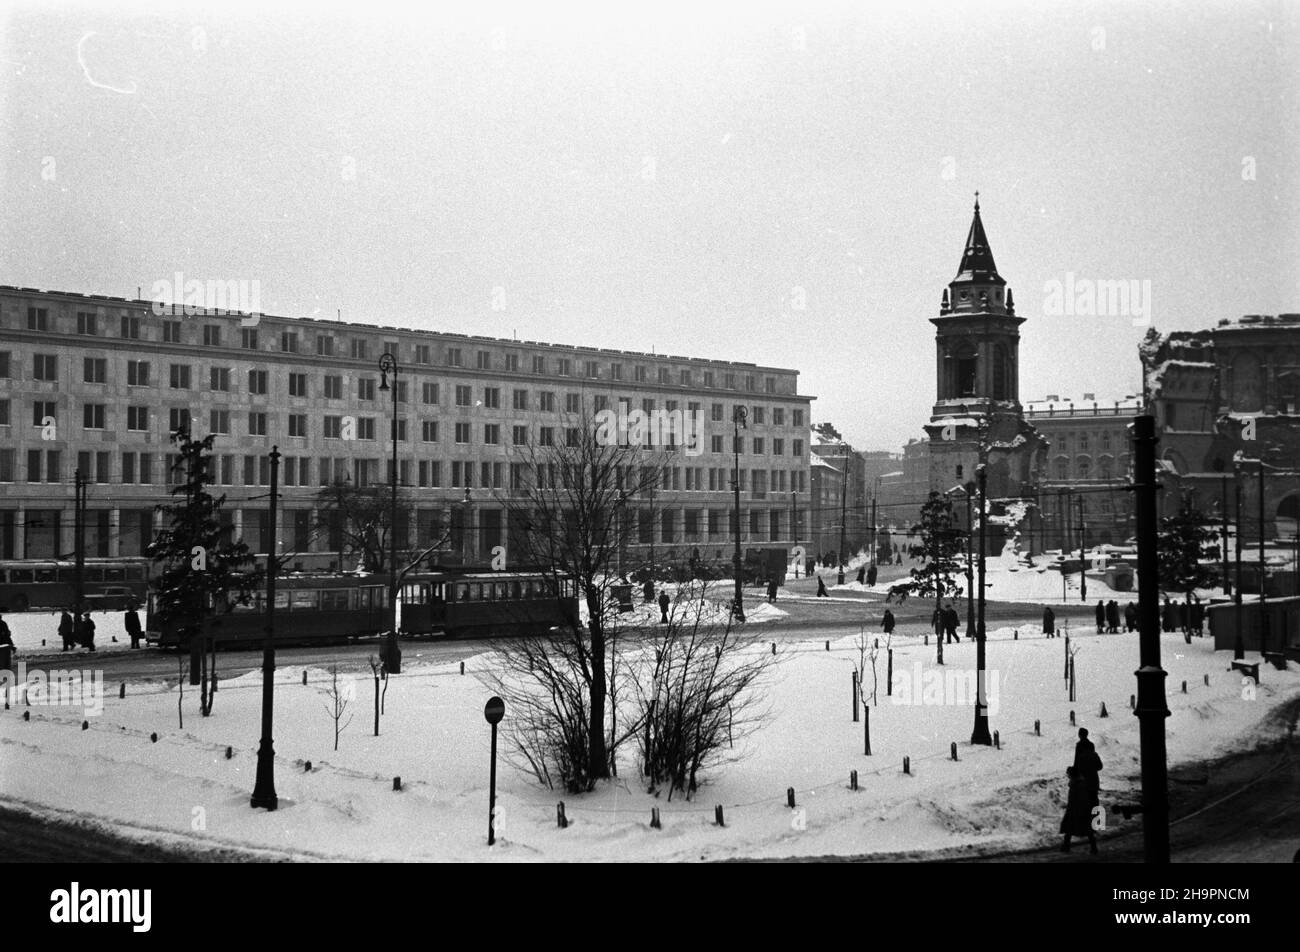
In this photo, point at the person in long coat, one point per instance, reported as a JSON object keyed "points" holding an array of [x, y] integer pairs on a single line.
{"points": [[1049, 621], [1131, 616], [133, 629], [950, 621], [7, 647], [821, 588], [664, 602], [887, 622], [65, 631], [1167, 615], [1078, 811], [1197, 620], [871, 577], [86, 632], [1101, 616], [1112, 616]]}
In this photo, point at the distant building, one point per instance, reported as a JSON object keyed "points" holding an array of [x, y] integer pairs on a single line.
{"points": [[1224, 399]]}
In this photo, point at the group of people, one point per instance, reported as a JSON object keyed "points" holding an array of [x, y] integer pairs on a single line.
{"points": [[1108, 617], [944, 621], [1183, 616]]}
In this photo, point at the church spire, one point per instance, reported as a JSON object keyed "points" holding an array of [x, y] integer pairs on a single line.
{"points": [[977, 260]]}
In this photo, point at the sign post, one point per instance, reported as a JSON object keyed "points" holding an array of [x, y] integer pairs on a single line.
{"points": [[493, 711]]}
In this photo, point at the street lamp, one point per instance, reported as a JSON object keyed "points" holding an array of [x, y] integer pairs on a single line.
{"points": [[738, 418], [980, 734], [844, 490], [264, 783], [388, 365]]}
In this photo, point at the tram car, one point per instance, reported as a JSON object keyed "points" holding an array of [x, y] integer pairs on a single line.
{"points": [[333, 609]]}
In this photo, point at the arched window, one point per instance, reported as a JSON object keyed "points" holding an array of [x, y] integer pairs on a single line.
{"points": [[1001, 378], [1062, 467], [1106, 467], [1083, 466]]}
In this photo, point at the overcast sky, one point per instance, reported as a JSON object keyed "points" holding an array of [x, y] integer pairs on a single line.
{"points": [[674, 176]]}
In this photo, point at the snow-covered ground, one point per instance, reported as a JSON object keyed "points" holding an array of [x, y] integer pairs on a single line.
{"points": [[184, 790], [29, 629]]}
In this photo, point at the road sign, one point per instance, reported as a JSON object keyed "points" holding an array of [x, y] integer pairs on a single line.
{"points": [[494, 710]]}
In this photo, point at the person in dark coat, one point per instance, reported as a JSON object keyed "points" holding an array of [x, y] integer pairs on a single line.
{"points": [[86, 632], [664, 602], [7, 647], [871, 577], [1180, 616], [1049, 621], [1131, 616], [1112, 616], [821, 588], [1167, 615], [862, 575], [65, 631], [887, 622], [648, 590], [1197, 619], [1078, 812], [1088, 764], [771, 590], [133, 629], [950, 622], [1101, 616]]}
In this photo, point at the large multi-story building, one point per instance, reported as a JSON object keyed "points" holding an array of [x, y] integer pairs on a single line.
{"points": [[1083, 480], [1227, 399], [97, 384]]}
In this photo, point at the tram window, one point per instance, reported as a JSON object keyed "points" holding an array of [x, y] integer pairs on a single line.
{"points": [[334, 600], [135, 573], [436, 592], [114, 575], [515, 590], [478, 591], [45, 575], [21, 575], [300, 600], [97, 575]]}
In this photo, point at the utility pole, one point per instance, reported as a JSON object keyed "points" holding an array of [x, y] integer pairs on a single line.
{"points": [[1151, 708], [970, 563], [1239, 648], [1083, 560], [874, 489], [79, 542], [388, 365], [794, 526], [738, 418], [844, 493], [264, 785]]}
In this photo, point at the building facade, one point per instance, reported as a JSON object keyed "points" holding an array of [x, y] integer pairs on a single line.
{"points": [[97, 384], [1226, 400]]}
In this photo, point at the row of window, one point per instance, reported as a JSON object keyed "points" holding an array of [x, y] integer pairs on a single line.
{"points": [[181, 377], [90, 323], [137, 468]]}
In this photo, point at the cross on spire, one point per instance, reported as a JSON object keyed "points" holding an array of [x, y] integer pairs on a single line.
{"points": [[977, 200]]}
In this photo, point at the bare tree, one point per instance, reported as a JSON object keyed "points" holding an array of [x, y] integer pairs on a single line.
{"points": [[376, 671], [571, 515], [180, 691], [207, 673], [361, 516], [337, 701], [868, 651], [698, 689]]}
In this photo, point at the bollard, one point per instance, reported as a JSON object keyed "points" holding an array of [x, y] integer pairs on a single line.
{"points": [[397, 784], [997, 741], [877, 644], [717, 815], [1184, 687], [1015, 634], [561, 820], [42, 642], [230, 752], [828, 646], [121, 691], [853, 780], [866, 730], [462, 667], [1102, 712], [27, 716], [954, 750], [854, 676], [85, 725], [907, 765], [1207, 680], [1072, 718], [774, 647], [927, 638], [1066, 675], [1038, 729], [789, 797], [306, 768], [889, 675], [153, 738], [654, 819], [1132, 702], [304, 677]]}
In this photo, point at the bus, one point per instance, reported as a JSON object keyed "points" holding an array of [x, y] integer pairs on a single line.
{"points": [[109, 584]]}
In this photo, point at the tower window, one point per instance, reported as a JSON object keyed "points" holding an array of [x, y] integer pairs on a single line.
{"points": [[966, 376]]}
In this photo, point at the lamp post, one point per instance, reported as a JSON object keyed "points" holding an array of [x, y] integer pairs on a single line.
{"points": [[794, 525], [844, 493], [388, 365], [980, 734], [1083, 560], [1239, 647], [264, 785], [738, 418], [970, 563], [1221, 467]]}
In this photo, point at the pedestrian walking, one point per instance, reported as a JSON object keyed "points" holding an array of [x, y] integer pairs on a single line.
{"points": [[133, 629], [887, 622], [771, 590], [871, 577], [664, 602], [66, 633], [1197, 616], [1049, 621], [1112, 617], [1078, 812], [1131, 616], [86, 632], [821, 588], [950, 622], [1101, 616], [648, 590], [862, 575], [1167, 615]]}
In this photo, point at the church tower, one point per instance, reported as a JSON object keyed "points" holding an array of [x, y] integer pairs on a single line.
{"points": [[977, 366]]}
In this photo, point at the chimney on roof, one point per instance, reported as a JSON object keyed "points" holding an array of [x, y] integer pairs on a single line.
{"points": [[1053, 397], [1089, 396]]}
